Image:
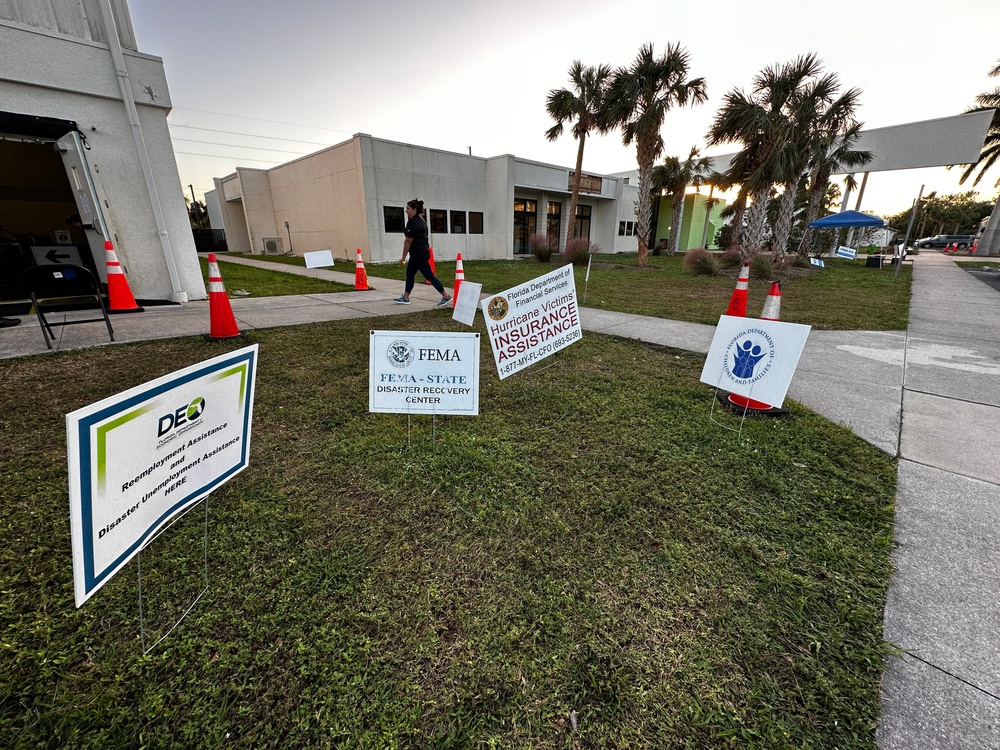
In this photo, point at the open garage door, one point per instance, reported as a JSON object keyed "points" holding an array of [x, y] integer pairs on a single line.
{"points": [[49, 208]]}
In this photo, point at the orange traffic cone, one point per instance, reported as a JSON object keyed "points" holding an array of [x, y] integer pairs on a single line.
{"points": [[433, 269], [772, 305], [360, 275], [459, 278], [738, 302], [222, 323], [120, 297], [771, 311]]}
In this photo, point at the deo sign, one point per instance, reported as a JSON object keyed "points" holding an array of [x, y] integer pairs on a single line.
{"points": [[138, 459], [423, 372]]}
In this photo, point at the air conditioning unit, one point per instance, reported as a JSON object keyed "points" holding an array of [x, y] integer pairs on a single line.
{"points": [[273, 246]]}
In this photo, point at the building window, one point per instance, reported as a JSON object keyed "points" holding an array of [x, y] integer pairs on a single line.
{"points": [[525, 215], [582, 222], [395, 219], [475, 222], [626, 228], [458, 222], [553, 225], [439, 221]]}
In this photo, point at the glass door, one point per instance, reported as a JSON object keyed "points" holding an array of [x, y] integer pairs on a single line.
{"points": [[525, 223]]}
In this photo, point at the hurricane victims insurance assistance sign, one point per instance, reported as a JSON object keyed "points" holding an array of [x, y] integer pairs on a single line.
{"points": [[754, 358], [139, 458], [527, 323], [423, 372]]}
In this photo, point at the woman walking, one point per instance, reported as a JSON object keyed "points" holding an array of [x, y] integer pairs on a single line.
{"points": [[419, 250]]}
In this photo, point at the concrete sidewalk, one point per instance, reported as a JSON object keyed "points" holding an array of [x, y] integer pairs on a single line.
{"points": [[930, 395], [942, 611]]}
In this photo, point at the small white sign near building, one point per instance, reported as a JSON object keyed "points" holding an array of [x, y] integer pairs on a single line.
{"points": [[847, 252], [423, 372], [530, 322], [139, 458], [319, 258], [754, 358], [466, 302]]}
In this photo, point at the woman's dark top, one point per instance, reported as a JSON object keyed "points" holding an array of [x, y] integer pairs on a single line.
{"points": [[416, 230]]}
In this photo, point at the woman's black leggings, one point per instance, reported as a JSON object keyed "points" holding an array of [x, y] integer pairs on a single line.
{"points": [[422, 264]]}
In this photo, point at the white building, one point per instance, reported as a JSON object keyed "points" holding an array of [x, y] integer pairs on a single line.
{"points": [[83, 132], [352, 195]]}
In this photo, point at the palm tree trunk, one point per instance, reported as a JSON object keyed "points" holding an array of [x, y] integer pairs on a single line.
{"points": [[755, 223], [675, 222], [815, 201], [783, 226], [575, 195], [644, 152]]}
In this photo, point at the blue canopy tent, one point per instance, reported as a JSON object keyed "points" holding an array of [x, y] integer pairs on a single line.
{"points": [[848, 219], [845, 219]]}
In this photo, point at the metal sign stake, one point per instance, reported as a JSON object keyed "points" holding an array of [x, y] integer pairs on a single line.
{"points": [[142, 619]]}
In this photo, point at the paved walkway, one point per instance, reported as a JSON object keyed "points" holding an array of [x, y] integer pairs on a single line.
{"points": [[943, 608], [930, 395]]}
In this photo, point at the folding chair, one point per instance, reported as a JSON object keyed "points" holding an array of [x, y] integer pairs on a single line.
{"points": [[57, 285]]}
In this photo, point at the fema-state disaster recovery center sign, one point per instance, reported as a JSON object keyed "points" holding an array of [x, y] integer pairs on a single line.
{"points": [[423, 372], [754, 358], [530, 322], [138, 459]]}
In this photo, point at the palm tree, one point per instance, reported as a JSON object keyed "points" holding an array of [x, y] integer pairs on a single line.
{"points": [[582, 105], [820, 118], [764, 122], [989, 243], [832, 152], [673, 177], [638, 100]]}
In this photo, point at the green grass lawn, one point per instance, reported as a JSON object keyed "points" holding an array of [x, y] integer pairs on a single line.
{"points": [[263, 283], [843, 296], [590, 563]]}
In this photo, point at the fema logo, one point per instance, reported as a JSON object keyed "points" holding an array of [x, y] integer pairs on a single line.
{"points": [[749, 356], [195, 409], [400, 353], [497, 308]]}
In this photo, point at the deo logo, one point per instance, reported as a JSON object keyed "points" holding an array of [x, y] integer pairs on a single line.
{"points": [[181, 416]]}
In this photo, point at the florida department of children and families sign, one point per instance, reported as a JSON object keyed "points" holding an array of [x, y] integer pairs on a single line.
{"points": [[754, 358], [139, 458]]}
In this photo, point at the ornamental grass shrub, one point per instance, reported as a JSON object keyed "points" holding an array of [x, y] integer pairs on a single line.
{"points": [[762, 267], [579, 250], [701, 262], [540, 247], [731, 258]]}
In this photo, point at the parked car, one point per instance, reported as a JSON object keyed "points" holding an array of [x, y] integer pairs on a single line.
{"points": [[943, 240]]}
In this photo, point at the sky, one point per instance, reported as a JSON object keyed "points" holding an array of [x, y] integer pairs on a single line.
{"points": [[255, 83]]}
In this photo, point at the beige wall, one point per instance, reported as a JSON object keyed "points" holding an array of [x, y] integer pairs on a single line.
{"points": [[335, 200], [234, 220], [322, 199], [258, 208]]}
